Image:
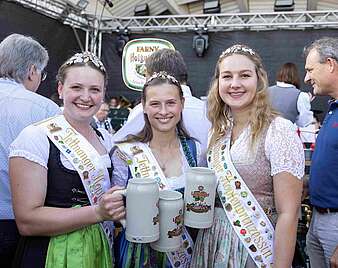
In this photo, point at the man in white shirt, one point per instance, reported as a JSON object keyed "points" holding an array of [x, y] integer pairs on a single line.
{"points": [[194, 112], [22, 64]]}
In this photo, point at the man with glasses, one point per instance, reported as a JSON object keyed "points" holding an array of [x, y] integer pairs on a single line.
{"points": [[22, 64], [43, 76]]}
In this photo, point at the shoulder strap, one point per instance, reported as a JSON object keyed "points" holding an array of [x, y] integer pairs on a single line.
{"points": [[190, 151], [192, 146]]}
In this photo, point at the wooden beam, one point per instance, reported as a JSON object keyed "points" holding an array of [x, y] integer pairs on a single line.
{"points": [[182, 2], [243, 5], [175, 8], [311, 4]]}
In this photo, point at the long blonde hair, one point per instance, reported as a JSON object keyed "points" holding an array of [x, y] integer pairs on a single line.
{"points": [[261, 113]]}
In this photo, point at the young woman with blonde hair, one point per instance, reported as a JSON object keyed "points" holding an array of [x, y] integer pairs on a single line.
{"points": [[259, 162]]}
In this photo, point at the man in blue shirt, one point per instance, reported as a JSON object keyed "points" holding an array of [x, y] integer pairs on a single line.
{"points": [[22, 61], [322, 73]]}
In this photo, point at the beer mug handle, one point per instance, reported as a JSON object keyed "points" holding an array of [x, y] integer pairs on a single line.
{"points": [[124, 193]]}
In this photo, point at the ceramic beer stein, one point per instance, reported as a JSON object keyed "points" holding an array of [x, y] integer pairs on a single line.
{"points": [[142, 213], [199, 197], [171, 221]]}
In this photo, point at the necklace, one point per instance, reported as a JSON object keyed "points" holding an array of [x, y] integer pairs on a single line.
{"points": [[162, 157], [162, 165], [186, 151], [168, 154]]}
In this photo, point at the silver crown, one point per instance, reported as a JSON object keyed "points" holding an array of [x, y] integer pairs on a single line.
{"points": [[85, 57], [237, 48], [163, 76]]}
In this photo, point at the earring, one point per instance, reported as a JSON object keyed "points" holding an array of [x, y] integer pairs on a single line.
{"points": [[60, 97]]}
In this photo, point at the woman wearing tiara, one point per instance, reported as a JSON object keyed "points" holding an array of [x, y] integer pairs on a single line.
{"points": [[164, 139], [54, 167], [259, 162]]}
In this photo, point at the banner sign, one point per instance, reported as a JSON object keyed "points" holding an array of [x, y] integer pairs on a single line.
{"points": [[134, 55]]}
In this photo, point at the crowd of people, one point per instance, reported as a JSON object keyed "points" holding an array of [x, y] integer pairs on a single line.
{"points": [[60, 168]]}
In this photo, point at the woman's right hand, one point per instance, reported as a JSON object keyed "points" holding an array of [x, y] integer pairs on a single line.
{"points": [[111, 206]]}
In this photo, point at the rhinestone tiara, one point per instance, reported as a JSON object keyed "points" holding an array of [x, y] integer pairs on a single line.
{"points": [[237, 48], [163, 76], [85, 57]]}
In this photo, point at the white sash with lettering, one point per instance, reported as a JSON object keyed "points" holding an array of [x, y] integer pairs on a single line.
{"points": [[246, 216], [143, 164], [84, 158]]}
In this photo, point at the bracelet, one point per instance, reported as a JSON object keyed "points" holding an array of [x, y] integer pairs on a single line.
{"points": [[99, 218]]}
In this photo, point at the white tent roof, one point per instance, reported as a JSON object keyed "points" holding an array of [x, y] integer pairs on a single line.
{"points": [[97, 13], [125, 8]]}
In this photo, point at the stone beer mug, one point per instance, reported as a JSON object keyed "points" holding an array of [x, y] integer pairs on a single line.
{"points": [[171, 221], [199, 197], [142, 213]]}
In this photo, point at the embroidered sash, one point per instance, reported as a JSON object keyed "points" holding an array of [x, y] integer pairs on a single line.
{"points": [[142, 164], [84, 158], [246, 216]]}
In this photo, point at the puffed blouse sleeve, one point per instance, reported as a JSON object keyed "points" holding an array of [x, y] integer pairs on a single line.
{"points": [[120, 168], [31, 144], [284, 148]]}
